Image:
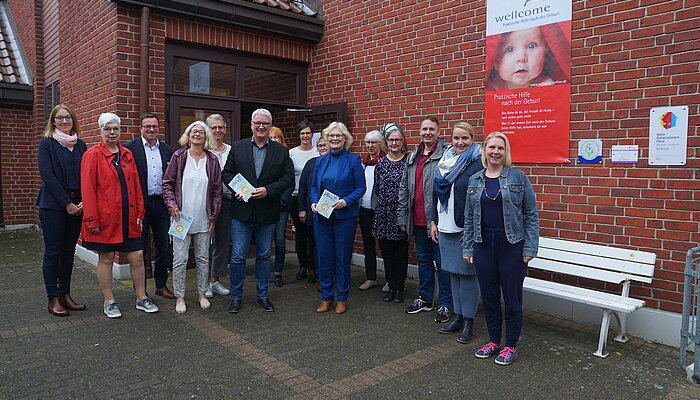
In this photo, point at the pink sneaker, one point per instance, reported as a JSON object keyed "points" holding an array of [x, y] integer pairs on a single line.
{"points": [[506, 356], [487, 350]]}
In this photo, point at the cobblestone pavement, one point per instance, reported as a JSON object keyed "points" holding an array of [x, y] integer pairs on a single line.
{"points": [[374, 351]]}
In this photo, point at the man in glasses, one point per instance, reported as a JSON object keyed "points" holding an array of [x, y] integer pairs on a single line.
{"points": [[152, 157], [266, 165]]}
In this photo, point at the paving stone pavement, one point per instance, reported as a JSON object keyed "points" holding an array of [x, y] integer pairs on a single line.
{"points": [[374, 351]]}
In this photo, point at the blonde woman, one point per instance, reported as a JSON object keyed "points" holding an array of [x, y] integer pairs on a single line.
{"points": [[192, 185], [60, 205]]}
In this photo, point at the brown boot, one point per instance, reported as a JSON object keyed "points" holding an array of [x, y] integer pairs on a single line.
{"points": [[68, 302], [56, 308], [341, 307], [325, 306]]}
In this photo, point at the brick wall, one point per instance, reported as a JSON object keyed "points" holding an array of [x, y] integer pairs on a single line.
{"points": [[19, 167], [400, 60], [21, 127]]}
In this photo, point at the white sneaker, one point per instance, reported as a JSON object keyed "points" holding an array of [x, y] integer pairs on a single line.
{"points": [[209, 294], [218, 288], [180, 307], [204, 303], [368, 284], [111, 309]]}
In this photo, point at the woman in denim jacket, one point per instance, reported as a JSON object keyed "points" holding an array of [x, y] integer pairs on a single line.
{"points": [[501, 235]]}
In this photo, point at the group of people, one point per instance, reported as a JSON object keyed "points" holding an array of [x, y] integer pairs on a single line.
{"points": [[473, 217], [475, 223]]}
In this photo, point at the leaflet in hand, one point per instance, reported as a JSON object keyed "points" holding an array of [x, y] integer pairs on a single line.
{"points": [[241, 186], [325, 203], [180, 227]]}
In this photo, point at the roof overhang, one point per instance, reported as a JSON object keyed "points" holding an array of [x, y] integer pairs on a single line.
{"points": [[12, 94], [241, 13]]}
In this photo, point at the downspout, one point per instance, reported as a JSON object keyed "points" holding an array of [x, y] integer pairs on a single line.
{"points": [[143, 73]]}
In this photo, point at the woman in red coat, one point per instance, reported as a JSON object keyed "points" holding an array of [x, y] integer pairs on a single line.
{"points": [[112, 212]]}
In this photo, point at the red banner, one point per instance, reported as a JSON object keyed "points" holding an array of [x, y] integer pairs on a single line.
{"points": [[528, 75]]}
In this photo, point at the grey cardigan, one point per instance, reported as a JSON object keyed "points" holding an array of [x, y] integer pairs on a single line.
{"points": [[404, 214]]}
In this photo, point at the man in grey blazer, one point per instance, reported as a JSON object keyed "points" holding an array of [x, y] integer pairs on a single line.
{"points": [[266, 165], [152, 157]]}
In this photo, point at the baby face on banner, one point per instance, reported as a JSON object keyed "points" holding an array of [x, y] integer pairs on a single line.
{"points": [[522, 57]]}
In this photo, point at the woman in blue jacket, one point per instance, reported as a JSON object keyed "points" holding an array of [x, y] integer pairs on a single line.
{"points": [[339, 172], [501, 235], [60, 205]]}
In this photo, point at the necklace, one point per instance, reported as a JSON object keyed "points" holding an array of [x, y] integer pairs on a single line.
{"points": [[486, 193]]}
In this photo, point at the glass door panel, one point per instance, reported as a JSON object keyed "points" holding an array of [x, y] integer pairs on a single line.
{"points": [[183, 110]]}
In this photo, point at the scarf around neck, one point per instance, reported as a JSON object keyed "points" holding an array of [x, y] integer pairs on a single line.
{"points": [[368, 160], [67, 141], [449, 168]]}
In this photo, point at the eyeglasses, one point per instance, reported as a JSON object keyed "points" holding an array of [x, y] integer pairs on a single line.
{"points": [[305, 133], [149, 127], [321, 146], [217, 128], [371, 142], [263, 123], [65, 118], [336, 135], [394, 140], [198, 131], [108, 130]]}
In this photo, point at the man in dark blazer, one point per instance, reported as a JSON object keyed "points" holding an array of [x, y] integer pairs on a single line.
{"points": [[152, 157], [266, 165]]}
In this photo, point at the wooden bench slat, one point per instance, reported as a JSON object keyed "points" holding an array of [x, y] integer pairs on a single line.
{"points": [[583, 295], [642, 257], [615, 268]]}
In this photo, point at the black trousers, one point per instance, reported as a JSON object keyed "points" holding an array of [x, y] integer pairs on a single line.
{"points": [[395, 254], [303, 237], [366, 219]]}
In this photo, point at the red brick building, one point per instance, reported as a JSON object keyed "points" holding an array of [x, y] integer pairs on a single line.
{"points": [[368, 63]]}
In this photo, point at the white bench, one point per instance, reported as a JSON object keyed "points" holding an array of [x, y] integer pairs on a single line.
{"points": [[595, 262]]}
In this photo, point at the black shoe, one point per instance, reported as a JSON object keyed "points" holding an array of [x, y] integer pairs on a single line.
{"points": [[266, 305], [398, 298], [453, 327], [278, 281], [234, 306], [419, 305], [389, 296], [301, 274], [466, 335], [443, 315]]}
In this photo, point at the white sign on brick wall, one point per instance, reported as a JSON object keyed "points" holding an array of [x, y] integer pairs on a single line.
{"points": [[668, 135]]}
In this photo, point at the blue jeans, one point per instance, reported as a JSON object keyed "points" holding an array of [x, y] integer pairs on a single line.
{"points": [[61, 231], [241, 232], [280, 242], [157, 220], [428, 254]]}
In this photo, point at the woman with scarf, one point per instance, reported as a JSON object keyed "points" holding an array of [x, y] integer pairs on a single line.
{"points": [[60, 205], [459, 162], [375, 150]]}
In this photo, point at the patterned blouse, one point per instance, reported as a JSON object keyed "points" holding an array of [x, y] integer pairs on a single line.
{"points": [[387, 179]]}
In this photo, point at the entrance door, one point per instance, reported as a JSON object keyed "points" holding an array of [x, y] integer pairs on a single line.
{"points": [[183, 110]]}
